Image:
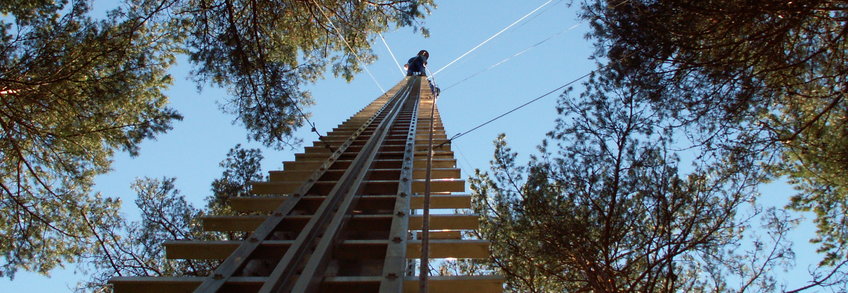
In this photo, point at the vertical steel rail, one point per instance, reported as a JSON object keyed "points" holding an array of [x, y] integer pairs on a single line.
{"points": [[394, 264], [285, 277], [424, 272], [237, 259], [309, 278]]}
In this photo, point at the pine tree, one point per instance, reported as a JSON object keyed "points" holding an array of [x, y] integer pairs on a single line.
{"points": [[76, 89], [606, 207], [134, 248], [766, 77]]}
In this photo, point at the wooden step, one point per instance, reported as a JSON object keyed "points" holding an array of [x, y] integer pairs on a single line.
{"points": [[436, 284], [352, 284], [250, 223], [439, 185], [349, 249], [446, 222], [441, 235], [268, 204], [302, 165], [290, 175], [371, 186], [275, 187]]}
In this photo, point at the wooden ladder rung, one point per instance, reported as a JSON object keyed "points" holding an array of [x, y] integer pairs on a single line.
{"points": [[268, 204], [437, 284], [250, 223], [352, 249]]}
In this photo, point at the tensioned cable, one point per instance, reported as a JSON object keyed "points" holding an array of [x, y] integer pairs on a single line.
{"points": [[424, 273], [513, 56], [540, 13], [460, 134], [312, 125], [402, 72], [493, 36], [349, 47], [364, 66]]}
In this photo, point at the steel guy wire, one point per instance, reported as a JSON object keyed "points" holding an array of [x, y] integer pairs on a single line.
{"points": [[493, 36], [514, 55], [460, 134], [402, 72], [350, 48]]}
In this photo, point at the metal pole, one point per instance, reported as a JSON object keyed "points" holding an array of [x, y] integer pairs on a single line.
{"points": [[425, 227]]}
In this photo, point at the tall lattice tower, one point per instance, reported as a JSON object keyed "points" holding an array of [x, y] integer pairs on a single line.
{"points": [[347, 215]]}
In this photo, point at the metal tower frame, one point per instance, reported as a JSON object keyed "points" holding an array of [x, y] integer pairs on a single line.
{"points": [[341, 216]]}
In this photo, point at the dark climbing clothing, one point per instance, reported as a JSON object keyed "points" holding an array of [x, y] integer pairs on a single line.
{"points": [[417, 66]]}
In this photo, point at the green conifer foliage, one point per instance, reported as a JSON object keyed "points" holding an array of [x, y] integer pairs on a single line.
{"points": [[765, 77], [74, 90], [608, 207]]}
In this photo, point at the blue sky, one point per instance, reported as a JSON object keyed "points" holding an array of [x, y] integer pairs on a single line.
{"points": [[192, 150]]}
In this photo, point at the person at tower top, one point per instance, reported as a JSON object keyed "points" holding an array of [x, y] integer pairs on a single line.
{"points": [[418, 65]]}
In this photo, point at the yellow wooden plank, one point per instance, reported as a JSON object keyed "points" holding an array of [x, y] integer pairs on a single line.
{"points": [[267, 204], [437, 173], [442, 202], [451, 284], [231, 223], [439, 185], [451, 234], [302, 165], [437, 163], [445, 248], [249, 223], [256, 204], [444, 222], [222, 249], [155, 284], [436, 284], [179, 284], [275, 187], [290, 175]]}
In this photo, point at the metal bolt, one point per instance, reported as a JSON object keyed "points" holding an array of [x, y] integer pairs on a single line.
{"points": [[296, 195], [217, 276], [405, 179], [391, 276], [253, 239], [403, 194], [396, 239], [400, 214], [278, 214]]}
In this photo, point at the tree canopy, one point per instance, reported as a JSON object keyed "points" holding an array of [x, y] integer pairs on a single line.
{"points": [[76, 88], [265, 51], [241, 167], [134, 248], [746, 91], [766, 78], [611, 210]]}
